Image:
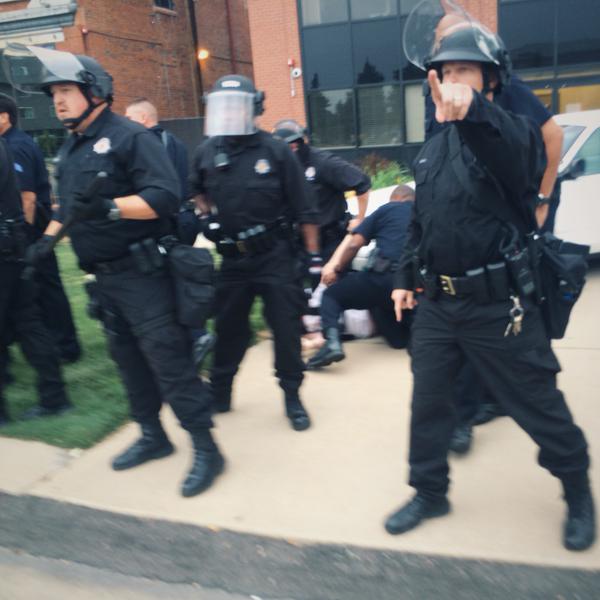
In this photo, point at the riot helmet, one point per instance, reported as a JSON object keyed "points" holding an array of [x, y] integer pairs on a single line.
{"points": [[34, 70], [439, 31], [289, 131], [232, 106]]}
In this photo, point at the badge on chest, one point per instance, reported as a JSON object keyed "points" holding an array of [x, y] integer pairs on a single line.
{"points": [[262, 166], [310, 173], [102, 146]]}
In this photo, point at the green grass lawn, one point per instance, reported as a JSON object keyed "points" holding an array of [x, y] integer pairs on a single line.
{"points": [[93, 383]]}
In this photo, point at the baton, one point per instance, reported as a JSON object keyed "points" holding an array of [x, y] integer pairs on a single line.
{"points": [[92, 189]]}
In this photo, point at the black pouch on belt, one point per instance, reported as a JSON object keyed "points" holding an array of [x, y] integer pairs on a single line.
{"points": [[498, 281], [479, 285]]}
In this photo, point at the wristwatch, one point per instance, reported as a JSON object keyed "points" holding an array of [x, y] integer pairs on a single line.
{"points": [[541, 200], [114, 214]]}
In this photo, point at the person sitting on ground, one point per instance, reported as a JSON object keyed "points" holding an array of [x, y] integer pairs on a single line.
{"points": [[369, 289]]}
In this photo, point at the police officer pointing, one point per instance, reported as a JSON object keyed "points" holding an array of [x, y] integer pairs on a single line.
{"points": [[253, 187], [473, 305], [114, 235]]}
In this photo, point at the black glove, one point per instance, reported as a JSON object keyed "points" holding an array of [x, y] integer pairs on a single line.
{"points": [[97, 207], [37, 252]]}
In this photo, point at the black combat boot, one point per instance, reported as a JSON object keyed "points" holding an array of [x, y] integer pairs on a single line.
{"points": [[153, 444], [39, 412], [579, 531], [208, 464], [295, 412], [415, 511], [462, 437], [331, 352], [221, 398]]}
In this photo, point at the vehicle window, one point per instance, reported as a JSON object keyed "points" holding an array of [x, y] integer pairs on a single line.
{"points": [[590, 151], [571, 133]]}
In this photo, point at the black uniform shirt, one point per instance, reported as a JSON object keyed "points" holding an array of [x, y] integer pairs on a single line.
{"points": [[179, 157], [136, 163], [451, 230], [388, 225], [262, 182], [29, 165], [10, 198], [516, 97], [329, 177]]}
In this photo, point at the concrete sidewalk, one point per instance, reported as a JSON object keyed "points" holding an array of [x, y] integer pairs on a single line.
{"points": [[336, 482]]}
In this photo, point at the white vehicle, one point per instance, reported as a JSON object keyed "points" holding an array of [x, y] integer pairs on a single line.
{"points": [[578, 216]]}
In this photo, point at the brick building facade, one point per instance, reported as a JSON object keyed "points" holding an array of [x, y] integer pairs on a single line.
{"points": [[148, 46]]}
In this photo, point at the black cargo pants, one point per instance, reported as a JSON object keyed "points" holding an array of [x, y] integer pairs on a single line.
{"points": [[520, 372], [151, 350], [274, 277], [21, 318]]}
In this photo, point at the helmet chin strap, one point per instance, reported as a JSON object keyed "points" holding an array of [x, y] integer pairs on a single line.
{"points": [[74, 122]]}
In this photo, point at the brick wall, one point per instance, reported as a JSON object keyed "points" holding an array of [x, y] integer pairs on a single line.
{"points": [[148, 52], [10, 6], [275, 38], [229, 45]]}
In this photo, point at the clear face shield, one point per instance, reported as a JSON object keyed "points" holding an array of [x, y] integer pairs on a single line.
{"points": [[431, 21], [30, 68], [229, 113]]}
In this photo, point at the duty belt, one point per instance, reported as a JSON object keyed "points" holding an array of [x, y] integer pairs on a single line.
{"points": [[484, 284], [111, 267]]}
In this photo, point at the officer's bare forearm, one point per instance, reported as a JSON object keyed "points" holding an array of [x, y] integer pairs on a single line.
{"points": [[362, 202], [541, 214], [53, 227], [28, 202], [336, 257], [310, 235], [349, 251], [553, 136], [135, 207]]}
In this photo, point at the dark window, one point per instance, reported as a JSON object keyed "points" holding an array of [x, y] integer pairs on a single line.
{"points": [[26, 112], [371, 9], [327, 52], [527, 28], [332, 118], [318, 12], [376, 47], [380, 115], [578, 31], [170, 4]]}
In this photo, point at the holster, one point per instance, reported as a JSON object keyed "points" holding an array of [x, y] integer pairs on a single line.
{"points": [[148, 256]]}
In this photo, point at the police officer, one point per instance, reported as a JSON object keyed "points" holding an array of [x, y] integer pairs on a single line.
{"points": [[476, 405], [144, 112], [18, 309], [329, 177], [253, 185], [470, 309], [35, 192], [114, 235], [369, 289]]}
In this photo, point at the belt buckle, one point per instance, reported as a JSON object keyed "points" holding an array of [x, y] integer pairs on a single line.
{"points": [[447, 285]]}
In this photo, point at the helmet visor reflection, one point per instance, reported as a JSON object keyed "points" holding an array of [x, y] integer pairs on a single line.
{"points": [[229, 113]]}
